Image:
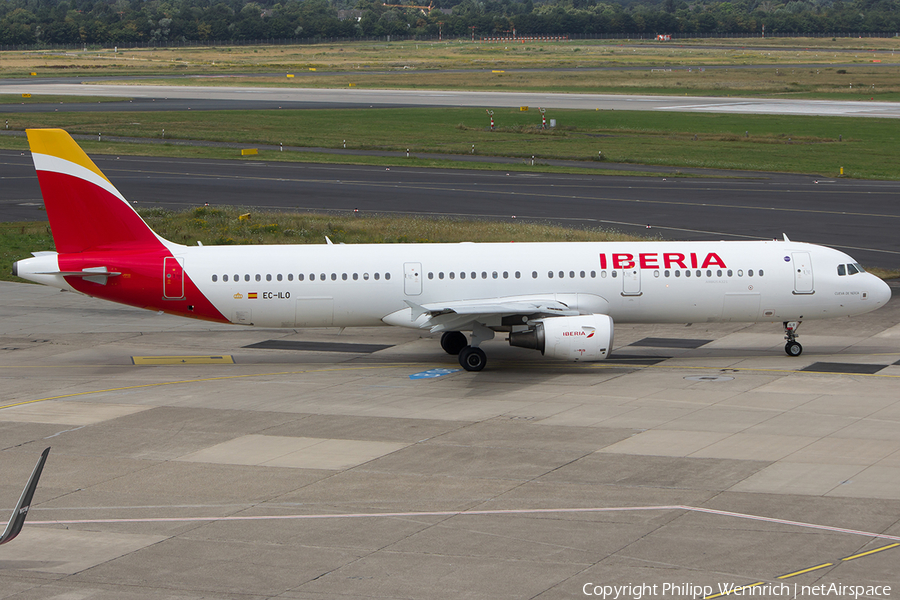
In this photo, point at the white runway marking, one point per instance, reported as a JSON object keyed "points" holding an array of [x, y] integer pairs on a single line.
{"points": [[460, 513]]}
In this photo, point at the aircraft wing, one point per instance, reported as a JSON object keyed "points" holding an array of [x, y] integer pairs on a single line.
{"points": [[449, 316]]}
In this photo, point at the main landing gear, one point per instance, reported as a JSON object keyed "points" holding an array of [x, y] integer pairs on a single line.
{"points": [[471, 357], [792, 348]]}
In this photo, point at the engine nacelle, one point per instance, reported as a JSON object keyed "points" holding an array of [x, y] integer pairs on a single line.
{"points": [[585, 337]]}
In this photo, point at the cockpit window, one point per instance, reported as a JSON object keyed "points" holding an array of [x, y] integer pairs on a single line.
{"points": [[842, 270], [852, 270], [859, 267]]}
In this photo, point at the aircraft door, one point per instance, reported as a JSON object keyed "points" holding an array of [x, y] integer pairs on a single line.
{"points": [[631, 282], [803, 273], [412, 279], [173, 278]]}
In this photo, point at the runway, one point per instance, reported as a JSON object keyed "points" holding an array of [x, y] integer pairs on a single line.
{"points": [[695, 458], [220, 98], [859, 217]]}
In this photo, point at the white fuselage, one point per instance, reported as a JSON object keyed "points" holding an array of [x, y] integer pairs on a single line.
{"points": [[632, 282]]}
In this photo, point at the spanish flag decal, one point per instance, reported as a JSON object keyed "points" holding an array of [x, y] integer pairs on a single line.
{"points": [[252, 295]]}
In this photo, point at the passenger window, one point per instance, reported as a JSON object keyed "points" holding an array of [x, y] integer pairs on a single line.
{"points": [[215, 278], [322, 276], [852, 270], [571, 274], [550, 274], [518, 275], [356, 276], [484, 274], [387, 276], [505, 275], [278, 277], [344, 276], [687, 273], [462, 274], [452, 275], [237, 277], [750, 273], [334, 276], [290, 276], [561, 274], [656, 273], [719, 273], [740, 273], [534, 274], [430, 275], [593, 274], [709, 272], [268, 277], [760, 273], [699, 273], [224, 277], [730, 272], [582, 274], [441, 275], [366, 276], [312, 276], [615, 273], [377, 276], [258, 277], [474, 275], [602, 274], [246, 277], [677, 273], [299, 276], [666, 272], [494, 275]]}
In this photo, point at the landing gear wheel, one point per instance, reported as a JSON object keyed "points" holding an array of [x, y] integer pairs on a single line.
{"points": [[453, 342], [472, 359], [793, 349]]}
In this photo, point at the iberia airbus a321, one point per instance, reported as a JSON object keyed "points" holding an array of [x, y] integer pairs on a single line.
{"points": [[559, 298]]}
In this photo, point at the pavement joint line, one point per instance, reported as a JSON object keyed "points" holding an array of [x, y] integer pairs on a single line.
{"points": [[861, 554], [802, 571], [734, 590]]}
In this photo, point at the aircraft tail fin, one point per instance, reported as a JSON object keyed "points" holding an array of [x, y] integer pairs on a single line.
{"points": [[17, 520], [85, 210]]}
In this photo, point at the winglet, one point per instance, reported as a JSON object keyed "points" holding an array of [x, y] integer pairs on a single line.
{"points": [[17, 520], [785, 237]]}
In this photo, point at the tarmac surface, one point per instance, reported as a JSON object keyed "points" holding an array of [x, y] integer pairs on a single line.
{"points": [[187, 464]]}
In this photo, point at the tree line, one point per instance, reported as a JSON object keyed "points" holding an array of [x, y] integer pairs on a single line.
{"points": [[107, 22]]}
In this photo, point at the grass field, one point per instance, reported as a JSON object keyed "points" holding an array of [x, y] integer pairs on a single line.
{"points": [[865, 148], [221, 226]]}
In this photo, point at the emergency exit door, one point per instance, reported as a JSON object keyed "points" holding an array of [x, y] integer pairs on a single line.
{"points": [[412, 279]]}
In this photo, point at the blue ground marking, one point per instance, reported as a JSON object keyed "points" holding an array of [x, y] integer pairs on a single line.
{"points": [[432, 373]]}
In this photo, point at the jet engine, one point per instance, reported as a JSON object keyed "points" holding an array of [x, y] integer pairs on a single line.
{"points": [[581, 338]]}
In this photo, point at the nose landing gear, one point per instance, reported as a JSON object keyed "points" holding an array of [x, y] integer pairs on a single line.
{"points": [[792, 347]]}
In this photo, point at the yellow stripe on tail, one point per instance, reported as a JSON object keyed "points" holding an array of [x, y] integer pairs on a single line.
{"points": [[58, 143]]}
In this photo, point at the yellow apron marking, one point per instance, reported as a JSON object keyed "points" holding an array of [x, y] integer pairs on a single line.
{"points": [[225, 359], [888, 547], [822, 566]]}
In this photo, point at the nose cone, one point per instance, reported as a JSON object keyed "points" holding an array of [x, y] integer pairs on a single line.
{"points": [[882, 292]]}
